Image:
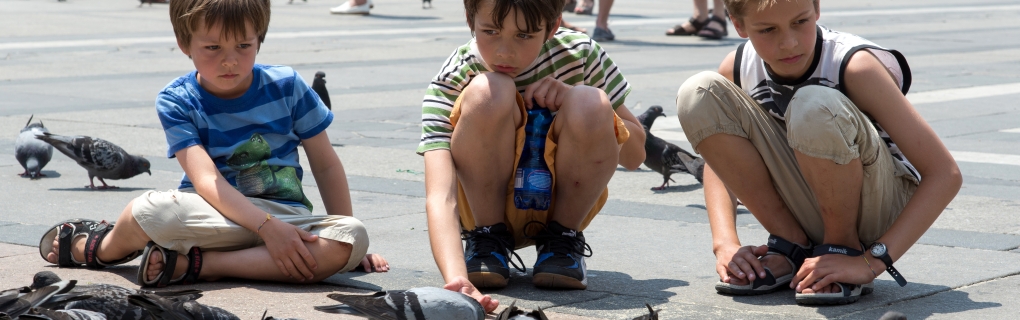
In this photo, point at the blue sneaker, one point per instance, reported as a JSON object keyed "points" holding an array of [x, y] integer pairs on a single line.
{"points": [[488, 251], [561, 254]]}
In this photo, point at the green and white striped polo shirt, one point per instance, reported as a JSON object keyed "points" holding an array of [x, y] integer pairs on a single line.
{"points": [[571, 57]]}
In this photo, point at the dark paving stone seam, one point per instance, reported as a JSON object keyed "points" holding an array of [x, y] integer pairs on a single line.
{"points": [[853, 315]]}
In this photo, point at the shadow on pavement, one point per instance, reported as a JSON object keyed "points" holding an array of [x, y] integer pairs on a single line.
{"points": [[602, 285], [678, 188]]}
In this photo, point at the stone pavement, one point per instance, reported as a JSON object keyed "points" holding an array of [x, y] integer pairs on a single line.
{"points": [[93, 68]]}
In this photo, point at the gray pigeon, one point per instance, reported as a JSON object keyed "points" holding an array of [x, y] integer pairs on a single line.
{"points": [[41, 313], [99, 157], [652, 314], [163, 308], [31, 153], [319, 86], [664, 157], [514, 313], [17, 302], [110, 300], [414, 304]]}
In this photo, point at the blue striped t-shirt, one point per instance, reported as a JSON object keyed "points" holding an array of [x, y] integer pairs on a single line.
{"points": [[252, 139]]}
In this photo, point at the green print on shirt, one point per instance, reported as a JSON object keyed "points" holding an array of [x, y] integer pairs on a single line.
{"points": [[256, 178]]}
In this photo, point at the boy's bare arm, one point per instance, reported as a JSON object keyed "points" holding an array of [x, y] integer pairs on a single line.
{"points": [[284, 241], [329, 174], [441, 210], [632, 153], [444, 226], [875, 93]]}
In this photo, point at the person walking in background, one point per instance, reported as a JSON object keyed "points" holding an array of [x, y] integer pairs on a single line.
{"points": [[602, 32], [353, 7], [709, 24]]}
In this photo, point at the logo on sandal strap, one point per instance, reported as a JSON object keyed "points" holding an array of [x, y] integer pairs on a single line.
{"points": [[837, 250]]}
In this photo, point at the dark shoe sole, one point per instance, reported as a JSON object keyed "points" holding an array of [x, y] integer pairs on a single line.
{"points": [[487, 280], [556, 281]]}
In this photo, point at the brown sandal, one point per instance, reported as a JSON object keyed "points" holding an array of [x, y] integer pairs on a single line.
{"points": [[678, 30]]}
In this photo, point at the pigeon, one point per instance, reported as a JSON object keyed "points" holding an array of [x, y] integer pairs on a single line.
{"points": [[319, 86], [101, 158], [110, 300], [165, 308], [31, 153], [17, 302], [893, 315], [514, 313], [414, 304], [664, 157], [652, 314]]}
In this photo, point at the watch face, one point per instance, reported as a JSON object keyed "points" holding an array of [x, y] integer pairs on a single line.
{"points": [[878, 249]]}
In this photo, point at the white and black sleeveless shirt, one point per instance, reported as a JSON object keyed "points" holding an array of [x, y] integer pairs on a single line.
{"points": [[833, 50]]}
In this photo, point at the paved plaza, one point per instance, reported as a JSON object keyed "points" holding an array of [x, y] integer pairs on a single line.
{"points": [[93, 67]]}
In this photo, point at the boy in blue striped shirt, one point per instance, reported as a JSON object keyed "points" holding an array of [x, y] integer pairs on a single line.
{"points": [[240, 210]]}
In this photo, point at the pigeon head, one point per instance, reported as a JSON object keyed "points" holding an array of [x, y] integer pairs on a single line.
{"points": [[143, 166], [648, 118], [320, 75], [44, 278]]}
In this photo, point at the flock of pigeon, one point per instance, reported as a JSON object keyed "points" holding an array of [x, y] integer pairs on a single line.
{"points": [[102, 159], [49, 297]]}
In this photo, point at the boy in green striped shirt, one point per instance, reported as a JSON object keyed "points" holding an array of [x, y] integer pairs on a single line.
{"points": [[473, 119]]}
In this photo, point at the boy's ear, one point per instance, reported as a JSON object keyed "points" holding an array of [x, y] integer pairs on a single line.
{"points": [[556, 26], [739, 25], [185, 49]]}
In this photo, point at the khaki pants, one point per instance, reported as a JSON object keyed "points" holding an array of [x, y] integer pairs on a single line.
{"points": [[516, 218], [822, 123], [181, 219]]}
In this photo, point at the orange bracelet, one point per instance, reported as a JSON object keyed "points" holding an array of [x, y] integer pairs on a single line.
{"points": [[869, 265], [270, 217]]}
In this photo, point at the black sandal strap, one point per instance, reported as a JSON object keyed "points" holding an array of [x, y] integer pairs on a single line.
{"points": [[194, 266], [64, 238], [169, 266], [791, 250], [824, 249], [93, 242]]}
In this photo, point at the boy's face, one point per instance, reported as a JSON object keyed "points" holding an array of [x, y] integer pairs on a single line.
{"points": [[508, 50], [224, 64], [783, 35]]}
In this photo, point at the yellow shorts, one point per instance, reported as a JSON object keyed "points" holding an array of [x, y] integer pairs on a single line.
{"points": [[515, 219]]}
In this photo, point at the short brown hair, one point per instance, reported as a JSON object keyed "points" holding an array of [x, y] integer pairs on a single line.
{"points": [[535, 12], [737, 7], [233, 14]]}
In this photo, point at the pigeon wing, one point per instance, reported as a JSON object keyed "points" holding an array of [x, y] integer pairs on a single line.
{"points": [[374, 306]]}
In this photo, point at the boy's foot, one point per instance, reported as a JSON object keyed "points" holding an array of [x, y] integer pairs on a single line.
{"points": [[560, 262], [156, 266], [488, 251]]}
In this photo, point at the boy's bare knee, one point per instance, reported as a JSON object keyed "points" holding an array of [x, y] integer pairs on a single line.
{"points": [[332, 258], [490, 97], [586, 111]]}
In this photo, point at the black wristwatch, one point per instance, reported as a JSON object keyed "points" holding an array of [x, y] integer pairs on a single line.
{"points": [[879, 251]]}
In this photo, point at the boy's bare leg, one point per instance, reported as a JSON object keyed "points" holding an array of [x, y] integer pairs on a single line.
{"points": [[126, 237], [586, 154], [330, 255], [483, 144], [748, 178], [838, 191]]}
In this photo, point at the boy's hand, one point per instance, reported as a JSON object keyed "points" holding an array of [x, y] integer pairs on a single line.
{"points": [[819, 272], [739, 262], [548, 93], [374, 263], [462, 285], [286, 245]]}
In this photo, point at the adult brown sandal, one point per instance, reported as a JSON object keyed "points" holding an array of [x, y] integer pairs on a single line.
{"points": [[678, 30]]}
